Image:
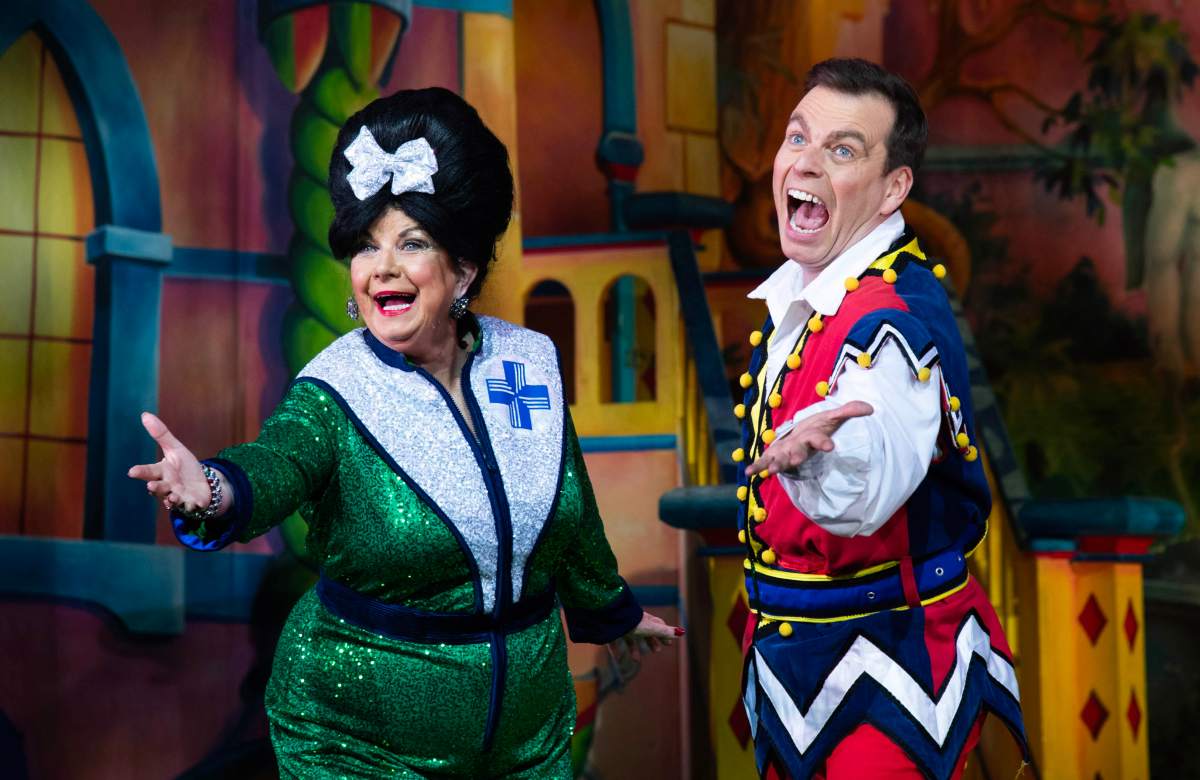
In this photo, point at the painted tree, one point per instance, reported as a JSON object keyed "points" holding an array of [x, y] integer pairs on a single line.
{"points": [[334, 55]]}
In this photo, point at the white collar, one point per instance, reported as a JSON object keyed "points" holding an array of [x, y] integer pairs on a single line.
{"points": [[825, 293]]}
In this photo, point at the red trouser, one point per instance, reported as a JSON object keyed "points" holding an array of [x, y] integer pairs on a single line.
{"points": [[867, 753]]}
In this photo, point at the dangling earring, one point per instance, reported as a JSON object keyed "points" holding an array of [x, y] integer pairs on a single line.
{"points": [[351, 308], [459, 307]]}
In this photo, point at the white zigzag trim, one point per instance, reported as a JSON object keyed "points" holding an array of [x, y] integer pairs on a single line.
{"points": [[749, 699], [955, 419], [865, 658], [885, 332]]}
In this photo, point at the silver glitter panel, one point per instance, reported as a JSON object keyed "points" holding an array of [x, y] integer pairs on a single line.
{"points": [[409, 418], [530, 458]]}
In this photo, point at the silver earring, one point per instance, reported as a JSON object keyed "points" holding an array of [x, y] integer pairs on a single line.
{"points": [[351, 308], [459, 307]]}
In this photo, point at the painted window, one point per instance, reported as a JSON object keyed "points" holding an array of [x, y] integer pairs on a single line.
{"points": [[628, 350], [45, 297], [550, 309]]}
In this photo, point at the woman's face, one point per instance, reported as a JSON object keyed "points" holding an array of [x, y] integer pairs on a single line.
{"points": [[404, 284]]}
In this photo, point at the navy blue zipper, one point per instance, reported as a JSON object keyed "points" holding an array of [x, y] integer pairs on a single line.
{"points": [[485, 458], [502, 514]]}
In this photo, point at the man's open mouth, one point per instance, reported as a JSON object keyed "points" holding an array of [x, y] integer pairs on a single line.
{"points": [[392, 303], [806, 212]]}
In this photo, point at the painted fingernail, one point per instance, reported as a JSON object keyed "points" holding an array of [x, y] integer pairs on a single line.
{"points": [[679, 631]]}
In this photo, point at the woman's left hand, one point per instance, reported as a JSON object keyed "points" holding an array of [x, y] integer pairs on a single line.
{"points": [[651, 635]]}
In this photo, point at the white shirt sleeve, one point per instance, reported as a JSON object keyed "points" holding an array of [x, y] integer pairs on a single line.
{"points": [[877, 461]]}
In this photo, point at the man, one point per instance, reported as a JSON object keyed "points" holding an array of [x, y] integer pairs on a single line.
{"points": [[870, 651]]}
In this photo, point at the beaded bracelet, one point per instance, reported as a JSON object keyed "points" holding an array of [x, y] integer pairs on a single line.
{"points": [[215, 492]]}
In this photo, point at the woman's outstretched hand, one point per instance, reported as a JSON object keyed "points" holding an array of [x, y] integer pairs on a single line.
{"points": [[651, 635], [177, 479]]}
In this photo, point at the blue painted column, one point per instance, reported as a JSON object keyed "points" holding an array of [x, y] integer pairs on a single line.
{"points": [[624, 340], [124, 379], [619, 153]]}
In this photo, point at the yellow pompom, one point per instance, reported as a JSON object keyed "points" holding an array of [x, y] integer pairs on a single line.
{"points": [[864, 359], [768, 436], [793, 362], [774, 400], [739, 411], [764, 474], [923, 374], [739, 455], [955, 404], [742, 536], [755, 338], [822, 388], [760, 514], [745, 380], [963, 439], [972, 454], [743, 492], [815, 324], [889, 275], [768, 557], [851, 284], [939, 271], [785, 630]]}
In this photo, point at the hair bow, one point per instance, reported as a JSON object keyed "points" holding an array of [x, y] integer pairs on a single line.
{"points": [[411, 167]]}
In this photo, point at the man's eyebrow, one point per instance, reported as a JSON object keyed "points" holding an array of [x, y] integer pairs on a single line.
{"points": [[796, 119], [838, 135]]}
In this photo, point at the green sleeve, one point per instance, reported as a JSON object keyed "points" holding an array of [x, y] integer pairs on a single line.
{"points": [[292, 459], [290, 463], [598, 604]]}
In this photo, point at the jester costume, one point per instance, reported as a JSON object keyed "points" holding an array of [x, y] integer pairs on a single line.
{"points": [[432, 645], [886, 630]]}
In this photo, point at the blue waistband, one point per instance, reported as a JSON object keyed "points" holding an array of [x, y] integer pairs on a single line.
{"points": [[414, 625], [785, 598]]}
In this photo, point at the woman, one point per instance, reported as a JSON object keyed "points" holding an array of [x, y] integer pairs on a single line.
{"points": [[434, 458]]}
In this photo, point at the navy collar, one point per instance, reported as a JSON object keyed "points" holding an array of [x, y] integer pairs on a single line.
{"points": [[395, 359]]}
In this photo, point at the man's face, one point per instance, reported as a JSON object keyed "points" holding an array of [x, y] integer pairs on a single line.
{"points": [[829, 183]]}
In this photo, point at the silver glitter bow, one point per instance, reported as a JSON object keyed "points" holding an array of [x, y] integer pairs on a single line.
{"points": [[410, 168]]}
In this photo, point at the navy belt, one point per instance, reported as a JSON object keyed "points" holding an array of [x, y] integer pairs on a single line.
{"points": [[774, 595], [415, 625]]}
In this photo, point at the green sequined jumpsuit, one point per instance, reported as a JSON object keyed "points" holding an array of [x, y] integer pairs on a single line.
{"points": [[346, 702]]}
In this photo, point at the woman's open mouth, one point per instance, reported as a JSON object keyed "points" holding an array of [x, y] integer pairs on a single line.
{"points": [[393, 304], [807, 213]]}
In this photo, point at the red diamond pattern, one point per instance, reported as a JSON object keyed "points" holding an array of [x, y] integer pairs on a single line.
{"points": [[736, 621], [740, 724], [1131, 625], [1093, 715], [1133, 714], [1092, 619]]}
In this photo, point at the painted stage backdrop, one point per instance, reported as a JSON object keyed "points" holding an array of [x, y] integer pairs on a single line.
{"points": [[163, 213]]}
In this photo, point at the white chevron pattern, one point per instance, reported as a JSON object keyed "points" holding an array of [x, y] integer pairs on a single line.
{"points": [[865, 658]]}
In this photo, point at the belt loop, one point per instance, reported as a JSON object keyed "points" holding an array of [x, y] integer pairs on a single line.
{"points": [[908, 581]]}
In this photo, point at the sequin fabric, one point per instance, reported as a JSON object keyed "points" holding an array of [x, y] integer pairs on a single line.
{"points": [[410, 168], [345, 702], [526, 456], [406, 414]]}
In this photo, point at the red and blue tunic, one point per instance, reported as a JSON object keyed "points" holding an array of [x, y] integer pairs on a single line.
{"points": [[888, 628]]}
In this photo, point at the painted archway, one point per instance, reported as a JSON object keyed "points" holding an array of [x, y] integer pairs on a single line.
{"points": [[127, 248]]}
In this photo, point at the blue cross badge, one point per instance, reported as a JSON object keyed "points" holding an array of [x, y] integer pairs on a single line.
{"points": [[519, 397]]}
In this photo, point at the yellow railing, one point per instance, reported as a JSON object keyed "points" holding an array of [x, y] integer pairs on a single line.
{"points": [[696, 446]]}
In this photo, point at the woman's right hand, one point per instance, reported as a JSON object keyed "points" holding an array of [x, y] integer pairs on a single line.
{"points": [[178, 479]]}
